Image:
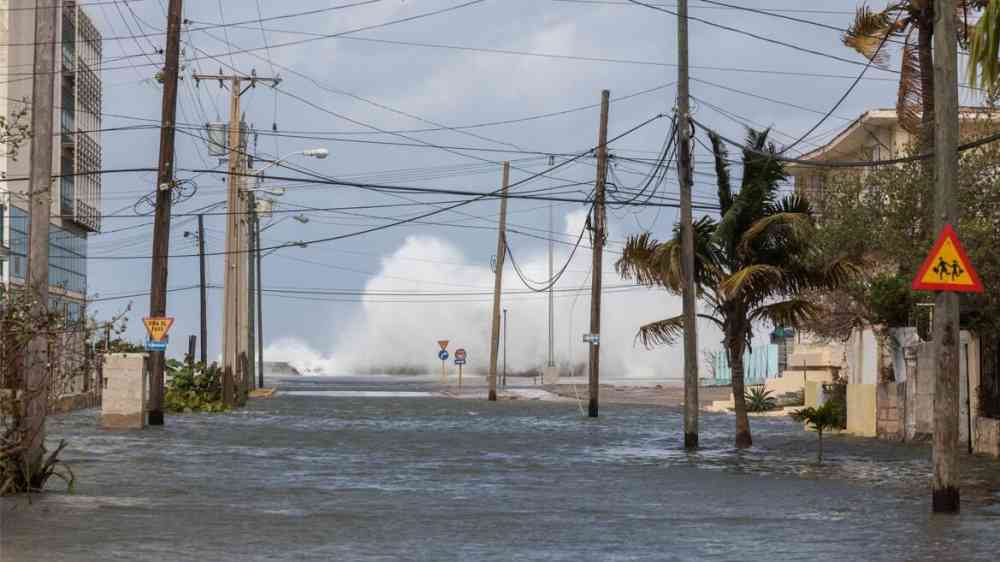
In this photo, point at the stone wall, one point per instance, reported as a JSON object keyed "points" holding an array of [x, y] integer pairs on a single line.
{"points": [[987, 437], [74, 402], [891, 410]]}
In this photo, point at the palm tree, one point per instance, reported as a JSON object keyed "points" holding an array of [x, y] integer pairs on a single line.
{"points": [[752, 265], [870, 33], [821, 419]]}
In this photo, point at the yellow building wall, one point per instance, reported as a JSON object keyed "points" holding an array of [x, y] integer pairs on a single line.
{"points": [[861, 409]]}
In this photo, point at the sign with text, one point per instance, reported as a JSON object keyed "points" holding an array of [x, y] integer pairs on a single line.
{"points": [[157, 327]]}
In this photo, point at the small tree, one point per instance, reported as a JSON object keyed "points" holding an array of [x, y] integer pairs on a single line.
{"points": [[821, 419]]}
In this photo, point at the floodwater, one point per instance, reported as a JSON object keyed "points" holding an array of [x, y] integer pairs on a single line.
{"points": [[363, 476]]}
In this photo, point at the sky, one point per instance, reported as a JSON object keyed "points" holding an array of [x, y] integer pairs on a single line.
{"points": [[478, 63]]}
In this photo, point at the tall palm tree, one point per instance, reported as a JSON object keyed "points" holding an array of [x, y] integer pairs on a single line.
{"points": [[870, 33], [752, 265]]}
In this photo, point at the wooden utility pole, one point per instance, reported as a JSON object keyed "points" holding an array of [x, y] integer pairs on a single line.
{"points": [[597, 243], [498, 283], [945, 493], [204, 296], [230, 307], [164, 196], [260, 306], [689, 304], [235, 284], [47, 13]]}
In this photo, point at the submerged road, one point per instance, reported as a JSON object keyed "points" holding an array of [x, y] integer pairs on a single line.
{"points": [[310, 476]]}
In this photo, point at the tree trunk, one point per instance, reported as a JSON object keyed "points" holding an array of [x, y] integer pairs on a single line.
{"points": [[925, 35], [820, 432], [735, 344]]}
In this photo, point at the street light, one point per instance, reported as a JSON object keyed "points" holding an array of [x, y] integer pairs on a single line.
{"points": [[319, 153]]}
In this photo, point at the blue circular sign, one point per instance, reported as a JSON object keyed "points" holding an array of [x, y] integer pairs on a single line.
{"points": [[443, 355]]}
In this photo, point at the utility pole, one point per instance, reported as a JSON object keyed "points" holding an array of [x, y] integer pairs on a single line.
{"points": [[552, 327], [498, 283], [687, 234], [597, 244], [164, 196], [260, 307], [235, 272], [945, 491], [47, 15], [505, 348], [204, 296], [251, 289]]}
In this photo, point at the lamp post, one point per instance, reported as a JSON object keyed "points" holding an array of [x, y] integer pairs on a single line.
{"points": [[254, 277]]}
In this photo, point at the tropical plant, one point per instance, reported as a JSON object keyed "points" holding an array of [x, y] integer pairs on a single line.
{"points": [[984, 48], [194, 389], [759, 399], [752, 265], [821, 419], [870, 33]]}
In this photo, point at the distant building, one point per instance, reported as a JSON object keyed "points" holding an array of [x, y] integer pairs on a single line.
{"points": [[76, 193]]}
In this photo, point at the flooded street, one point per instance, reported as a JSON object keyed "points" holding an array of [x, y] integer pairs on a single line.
{"points": [[358, 476]]}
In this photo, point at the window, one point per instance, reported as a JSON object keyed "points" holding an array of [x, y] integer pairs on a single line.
{"points": [[67, 254]]}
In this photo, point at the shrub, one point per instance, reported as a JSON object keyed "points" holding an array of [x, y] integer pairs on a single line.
{"points": [[759, 400], [194, 390], [821, 419]]}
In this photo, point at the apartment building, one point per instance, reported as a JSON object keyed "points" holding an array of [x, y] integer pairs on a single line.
{"points": [[76, 189]]}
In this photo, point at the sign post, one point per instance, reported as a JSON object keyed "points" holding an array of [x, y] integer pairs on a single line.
{"points": [[460, 357], [443, 356], [157, 328]]}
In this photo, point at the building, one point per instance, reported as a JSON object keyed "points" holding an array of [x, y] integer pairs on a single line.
{"points": [[76, 193], [889, 376]]}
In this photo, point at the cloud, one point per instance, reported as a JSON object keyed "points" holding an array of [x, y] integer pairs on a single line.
{"points": [[393, 331]]}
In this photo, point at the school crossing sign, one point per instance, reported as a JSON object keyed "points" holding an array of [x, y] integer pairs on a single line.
{"points": [[947, 267]]}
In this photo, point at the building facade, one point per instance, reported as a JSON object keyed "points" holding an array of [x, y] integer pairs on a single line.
{"points": [[76, 159]]}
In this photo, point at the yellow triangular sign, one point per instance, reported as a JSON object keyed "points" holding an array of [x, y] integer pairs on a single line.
{"points": [[947, 267], [443, 344], [158, 327]]}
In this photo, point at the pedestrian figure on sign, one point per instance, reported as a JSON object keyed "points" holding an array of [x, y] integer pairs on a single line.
{"points": [[956, 270], [941, 268]]}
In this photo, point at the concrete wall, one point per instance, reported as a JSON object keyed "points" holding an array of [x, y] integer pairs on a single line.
{"points": [[124, 393], [890, 401], [987, 437], [861, 411], [792, 381]]}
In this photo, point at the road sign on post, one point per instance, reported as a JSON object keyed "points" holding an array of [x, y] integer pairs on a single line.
{"points": [[157, 328], [947, 267], [443, 344], [443, 356]]}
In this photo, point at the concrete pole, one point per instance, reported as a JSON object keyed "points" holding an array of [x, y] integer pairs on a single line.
{"points": [[230, 314], [260, 308], [945, 493], [251, 364], [498, 284], [687, 234], [598, 255], [36, 375]]}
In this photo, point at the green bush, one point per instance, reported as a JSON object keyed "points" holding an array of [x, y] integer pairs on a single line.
{"points": [[759, 400], [194, 390]]}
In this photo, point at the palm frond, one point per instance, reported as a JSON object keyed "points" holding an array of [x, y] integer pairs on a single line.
{"points": [[792, 312], [639, 260], [661, 332], [867, 32], [984, 49], [751, 279], [787, 224], [721, 154], [910, 99]]}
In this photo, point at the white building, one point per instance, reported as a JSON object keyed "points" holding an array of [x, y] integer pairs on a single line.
{"points": [[76, 159]]}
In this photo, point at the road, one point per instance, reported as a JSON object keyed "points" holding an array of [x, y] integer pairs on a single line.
{"points": [[320, 477]]}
